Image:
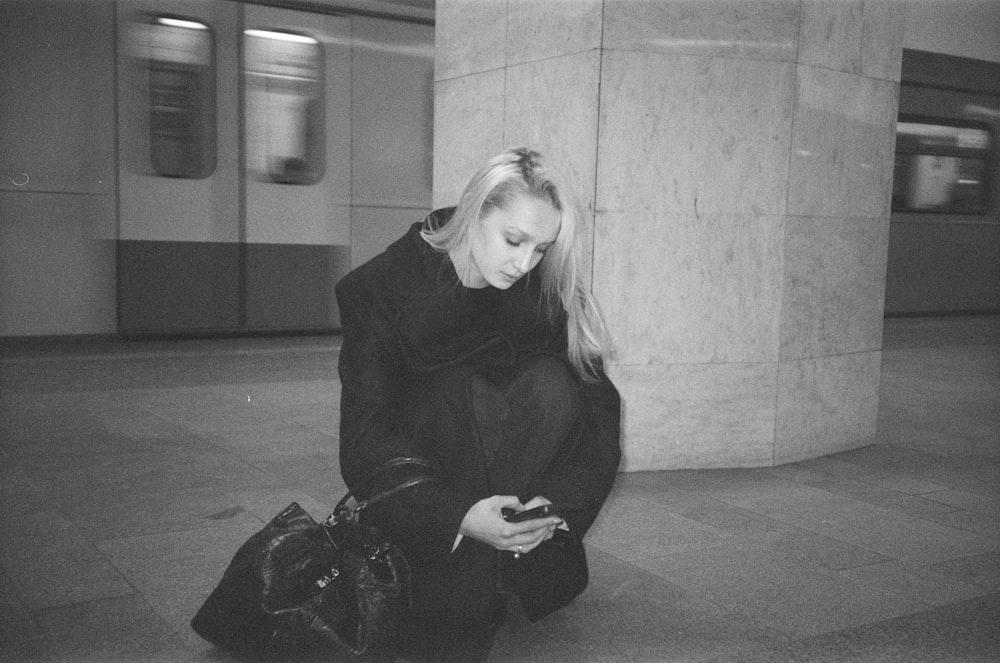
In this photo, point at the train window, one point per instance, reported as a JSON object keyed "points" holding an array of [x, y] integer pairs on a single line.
{"points": [[181, 97], [941, 167], [286, 132]]}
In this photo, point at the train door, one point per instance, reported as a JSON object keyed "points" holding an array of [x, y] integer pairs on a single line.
{"points": [[297, 101], [179, 191], [234, 166]]}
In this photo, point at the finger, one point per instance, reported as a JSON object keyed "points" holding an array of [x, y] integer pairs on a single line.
{"points": [[504, 501], [530, 540], [547, 534], [527, 548]]}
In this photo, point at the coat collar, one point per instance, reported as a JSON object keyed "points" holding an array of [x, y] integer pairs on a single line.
{"points": [[413, 263], [441, 322]]}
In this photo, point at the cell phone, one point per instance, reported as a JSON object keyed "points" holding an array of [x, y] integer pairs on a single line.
{"points": [[543, 511]]}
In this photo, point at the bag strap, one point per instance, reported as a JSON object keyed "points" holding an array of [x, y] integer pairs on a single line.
{"points": [[409, 483], [378, 497]]}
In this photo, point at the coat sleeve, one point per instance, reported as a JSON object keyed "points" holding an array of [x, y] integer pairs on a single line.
{"points": [[428, 515], [583, 478]]}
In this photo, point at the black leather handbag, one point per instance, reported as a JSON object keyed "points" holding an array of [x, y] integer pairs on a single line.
{"points": [[335, 589]]}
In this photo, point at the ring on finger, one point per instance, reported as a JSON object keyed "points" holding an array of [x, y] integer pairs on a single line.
{"points": [[517, 555]]}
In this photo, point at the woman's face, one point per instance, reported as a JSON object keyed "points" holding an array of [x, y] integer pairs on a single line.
{"points": [[508, 242]]}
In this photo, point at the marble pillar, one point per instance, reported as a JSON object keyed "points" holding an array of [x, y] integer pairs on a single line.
{"points": [[735, 159]]}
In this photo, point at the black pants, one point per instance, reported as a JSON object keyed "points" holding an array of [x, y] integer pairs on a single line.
{"points": [[514, 420]]}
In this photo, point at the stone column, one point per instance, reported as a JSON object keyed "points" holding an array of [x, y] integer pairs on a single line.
{"points": [[736, 160]]}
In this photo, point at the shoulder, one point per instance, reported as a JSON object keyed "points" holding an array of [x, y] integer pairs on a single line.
{"points": [[406, 265], [390, 269]]}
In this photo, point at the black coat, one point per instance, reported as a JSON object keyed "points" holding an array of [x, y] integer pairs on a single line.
{"points": [[404, 316]]}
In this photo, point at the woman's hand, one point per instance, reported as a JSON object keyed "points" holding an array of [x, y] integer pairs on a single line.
{"points": [[485, 523], [539, 501]]}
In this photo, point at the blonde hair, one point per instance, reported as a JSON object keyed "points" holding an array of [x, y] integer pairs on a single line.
{"points": [[519, 172]]}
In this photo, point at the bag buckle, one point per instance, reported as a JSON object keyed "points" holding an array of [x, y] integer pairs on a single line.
{"points": [[328, 578]]}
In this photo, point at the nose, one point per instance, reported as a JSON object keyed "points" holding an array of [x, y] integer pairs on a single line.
{"points": [[524, 261]]}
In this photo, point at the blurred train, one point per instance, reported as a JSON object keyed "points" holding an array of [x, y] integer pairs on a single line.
{"points": [[187, 167], [190, 167], [944, 237]]}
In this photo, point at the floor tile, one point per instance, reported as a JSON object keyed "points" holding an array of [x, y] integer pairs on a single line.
{"points": [[277, 438], [982, 571], [824, 551], [265, 503], [318, 475], [730, 519], [987, 526], [59, 568], [633, 529], [958, 633], [134, 512], [880, 530], [919, 583], [26, 509], [779, 591], [175, 572], [625, 616], [15, 618], [160, 469], [984, 501], [842, 467], [114, 629], [919, 506]]}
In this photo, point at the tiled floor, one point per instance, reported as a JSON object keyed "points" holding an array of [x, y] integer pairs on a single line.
{"points": [[130, 473]]}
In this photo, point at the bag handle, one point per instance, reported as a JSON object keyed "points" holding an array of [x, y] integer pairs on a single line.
{"points": [[378, 497]]}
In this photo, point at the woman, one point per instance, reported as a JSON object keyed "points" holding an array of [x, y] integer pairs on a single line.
{"points": [[473, 342]]}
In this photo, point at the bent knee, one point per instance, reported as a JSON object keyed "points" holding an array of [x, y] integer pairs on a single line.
{"points": [[549, 382]]}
